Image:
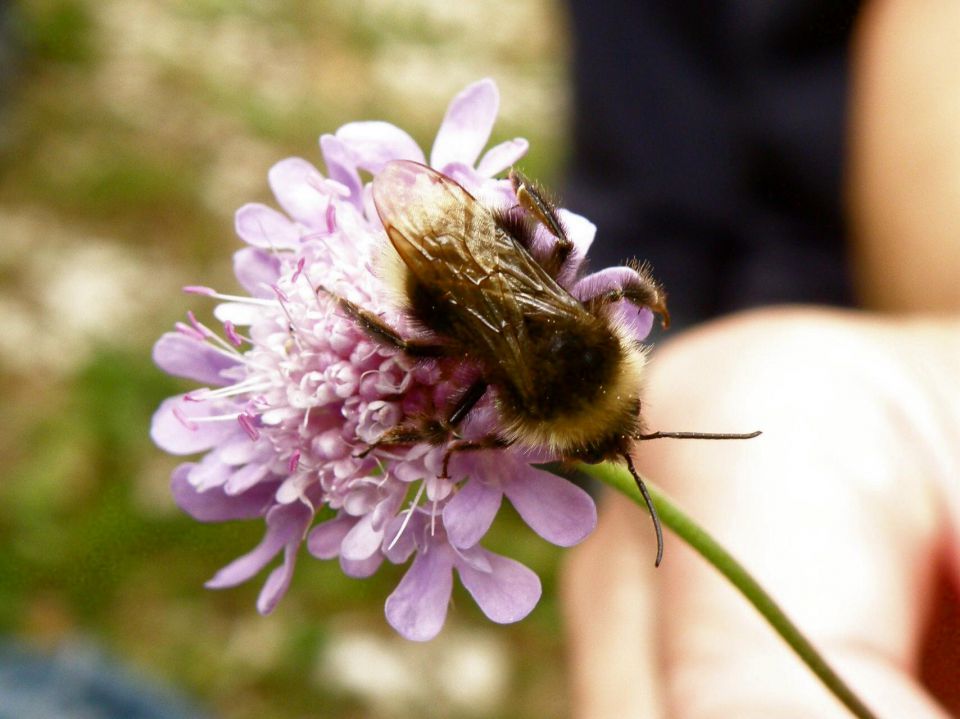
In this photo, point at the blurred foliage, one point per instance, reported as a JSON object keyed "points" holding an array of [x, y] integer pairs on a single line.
{"points": [[58, 31], [129, 132]]}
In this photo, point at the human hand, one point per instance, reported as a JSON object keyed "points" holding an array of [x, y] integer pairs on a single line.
{"points": [[845, 509]]}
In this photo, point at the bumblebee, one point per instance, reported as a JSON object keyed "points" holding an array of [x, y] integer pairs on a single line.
{"points": [[563, 371]]}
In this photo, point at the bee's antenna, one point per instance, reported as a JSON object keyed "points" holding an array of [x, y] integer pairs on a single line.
{"points": [[653, 511], [697, 435]]}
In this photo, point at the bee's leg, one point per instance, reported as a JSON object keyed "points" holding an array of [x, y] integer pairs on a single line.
{"points": [[466, 403], [491, 441], [413, 435], [405, 434], [645, 493], [532, 200], [382, 332], [639, 288], [434, 432]]}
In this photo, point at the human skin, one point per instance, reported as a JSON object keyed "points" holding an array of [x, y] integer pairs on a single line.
{"points": [[847, 508], [903, 164], [841, 509]]}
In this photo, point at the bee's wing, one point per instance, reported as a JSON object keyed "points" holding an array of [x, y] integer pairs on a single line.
{"points": [[452, 244]]}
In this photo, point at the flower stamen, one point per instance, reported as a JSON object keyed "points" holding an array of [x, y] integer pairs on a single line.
{"points": [[409, 513], [231, 332], [246, 421], [189, 331], [331, 217], [234, 390], [184, 420], [296, 274], [210, 292]]}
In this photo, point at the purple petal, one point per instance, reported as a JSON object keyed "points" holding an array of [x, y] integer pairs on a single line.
{"points": [[278, 582], [210, 473], [606, 280], [557, 510], [256, 270], [387, 508], [496, 193], [373, 144], [397, 545], [296, 184], [286, 525], [245, 478], [215, 506], [609, 279], [499, 157], [580, 231], [465, 175], [185, 356], [361, 568], [362, 541], [639, 320], [417, 608], [173, 430], [325, 539], [262, 226], [240, 449], [507, 593], [466, 126], [342, 168], [468, 516], [241, 314]]}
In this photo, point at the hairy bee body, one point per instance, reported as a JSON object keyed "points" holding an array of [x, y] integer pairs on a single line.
{"points": [[585, 403], [564, 375], [584, 369]]}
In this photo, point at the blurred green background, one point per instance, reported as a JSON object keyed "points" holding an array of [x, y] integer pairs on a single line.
{"points": [[130, 131]]}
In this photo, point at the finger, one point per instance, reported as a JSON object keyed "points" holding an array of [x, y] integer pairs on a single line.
{"points": [[609, 611], [830, 509]]}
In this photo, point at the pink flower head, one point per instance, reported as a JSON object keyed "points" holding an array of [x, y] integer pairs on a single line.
{"points": [[296, 394]]}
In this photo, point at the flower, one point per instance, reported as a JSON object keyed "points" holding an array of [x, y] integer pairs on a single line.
{"points": [[296, 394]]}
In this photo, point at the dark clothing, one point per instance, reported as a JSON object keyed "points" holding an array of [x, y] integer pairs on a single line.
{"points": [[708, 139]]}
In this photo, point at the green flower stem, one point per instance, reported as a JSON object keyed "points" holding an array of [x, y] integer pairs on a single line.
{"points": [[671, 516]]}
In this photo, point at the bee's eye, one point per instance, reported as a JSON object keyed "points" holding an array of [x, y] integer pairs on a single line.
{"points": [[591, 456]]}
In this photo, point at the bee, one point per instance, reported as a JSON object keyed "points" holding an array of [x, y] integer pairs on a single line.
{"points": [[563, 372]]}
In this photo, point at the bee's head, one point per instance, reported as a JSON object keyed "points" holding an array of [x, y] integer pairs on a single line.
{"points": [[610, 447], [591, 455]]}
